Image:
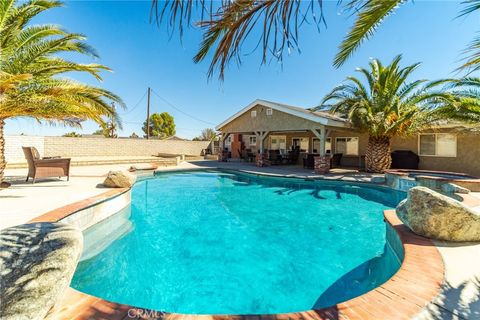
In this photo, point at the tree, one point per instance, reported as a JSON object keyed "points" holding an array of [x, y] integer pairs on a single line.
{"points": [[134, 136], [228, 24], [161, 125], [386, 105], [207, 134], [31, 69], [72, 134], [107, 129]]}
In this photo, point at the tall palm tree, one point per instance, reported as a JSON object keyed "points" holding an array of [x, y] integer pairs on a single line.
{"points": [[30, 72], [227, 24], [387, 105]]}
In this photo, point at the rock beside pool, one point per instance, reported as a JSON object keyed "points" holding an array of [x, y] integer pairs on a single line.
{"points": [[433, 215], [37, 262], [119, 179], [453, 188]]}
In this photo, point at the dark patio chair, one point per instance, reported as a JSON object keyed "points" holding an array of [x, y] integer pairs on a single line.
{"points": [[295, 155], [336, 160], [309, 161], [275, 157], [45, 167]]}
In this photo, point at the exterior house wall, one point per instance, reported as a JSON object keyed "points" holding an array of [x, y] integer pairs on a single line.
{"points": [[277, 121], [466, 161], [290, 126]]}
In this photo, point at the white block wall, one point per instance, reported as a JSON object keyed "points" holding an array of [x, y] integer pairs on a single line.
{"points": [[88, 147], [14, 144]]}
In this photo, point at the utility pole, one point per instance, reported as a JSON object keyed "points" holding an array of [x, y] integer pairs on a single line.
{"points": [[148, 114], [112, 123]]}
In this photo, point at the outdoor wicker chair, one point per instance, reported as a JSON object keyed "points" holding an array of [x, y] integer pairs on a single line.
{"points": [[45, 167]]}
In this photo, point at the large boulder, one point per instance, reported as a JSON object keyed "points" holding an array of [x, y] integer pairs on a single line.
{"points": [[433, 215], [119, 179], [37, 262]]}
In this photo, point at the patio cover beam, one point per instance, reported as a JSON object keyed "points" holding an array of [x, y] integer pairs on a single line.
{"points": [[321, 134], [222, 139], [261, 135]]}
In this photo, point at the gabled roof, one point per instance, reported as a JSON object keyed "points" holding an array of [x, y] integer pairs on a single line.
{"points": [[323, 118], [174, 138]]}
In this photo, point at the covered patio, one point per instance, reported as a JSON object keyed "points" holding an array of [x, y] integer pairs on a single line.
{"points": [[269, 133]]}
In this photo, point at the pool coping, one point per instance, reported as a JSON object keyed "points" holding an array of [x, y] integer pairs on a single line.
{"points": [[405, 173], [404, 295]]}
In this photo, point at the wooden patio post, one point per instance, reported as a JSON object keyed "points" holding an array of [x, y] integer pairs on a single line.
{"points": [[322, 162]]}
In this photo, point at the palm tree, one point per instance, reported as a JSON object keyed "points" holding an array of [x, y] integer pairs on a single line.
{"points": [[207, 134], [386, 105], [227, 24], [30, 72]]}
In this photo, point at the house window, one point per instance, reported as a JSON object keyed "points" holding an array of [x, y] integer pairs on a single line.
{"points": [[300, 142], [437, 145], [328, 145], [348, 146], [278, 143], [253, 113], [252, 141], [269, 111], [228, 141]]}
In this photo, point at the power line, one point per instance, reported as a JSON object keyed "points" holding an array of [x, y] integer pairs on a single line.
{"points": [[179, 128], [136, 105], [181, 111]]}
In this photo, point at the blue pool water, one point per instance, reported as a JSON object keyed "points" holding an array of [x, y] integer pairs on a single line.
{"points": [[222, 243]]}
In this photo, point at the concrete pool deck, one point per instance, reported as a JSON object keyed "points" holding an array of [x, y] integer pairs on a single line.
{"points": [[459, 297]]}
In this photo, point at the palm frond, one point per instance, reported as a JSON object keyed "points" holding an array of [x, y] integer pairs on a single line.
{"points": [[32, 82], [470, 6], [370, 16], [227, 26], [471, 56], [387, 104]]}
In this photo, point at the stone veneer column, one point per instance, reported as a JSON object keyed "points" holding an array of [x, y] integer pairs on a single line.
{"points": [[223, 156], [322, 164], [261, 160]]}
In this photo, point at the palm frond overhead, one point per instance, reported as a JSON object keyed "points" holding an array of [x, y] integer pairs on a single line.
{"points": [[470, 6], [228, 24], [370, 14]]}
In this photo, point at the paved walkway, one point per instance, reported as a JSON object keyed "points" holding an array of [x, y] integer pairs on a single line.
{"points": [[460, 297]]}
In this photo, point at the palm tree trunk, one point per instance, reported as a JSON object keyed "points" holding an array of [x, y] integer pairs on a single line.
{"points": [[377, 156], [2, 150]]}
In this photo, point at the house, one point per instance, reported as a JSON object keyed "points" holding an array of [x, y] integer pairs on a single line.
{"points": [[174, 138], [265, 125]]}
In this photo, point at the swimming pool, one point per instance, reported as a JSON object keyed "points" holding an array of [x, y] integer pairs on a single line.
{"points": [[223, 243]]}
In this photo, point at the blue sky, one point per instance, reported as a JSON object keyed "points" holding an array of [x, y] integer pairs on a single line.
{"points": [[141, 55]]}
